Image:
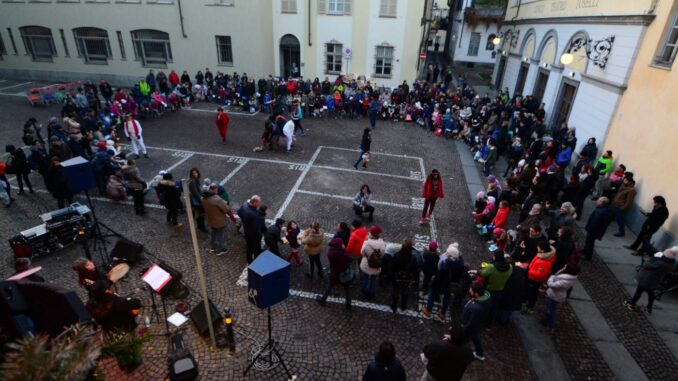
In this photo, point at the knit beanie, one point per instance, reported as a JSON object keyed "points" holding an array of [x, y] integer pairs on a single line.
{"points": [[453, 251]]}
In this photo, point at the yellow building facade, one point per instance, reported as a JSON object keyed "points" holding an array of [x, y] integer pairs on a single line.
{"points": [[643, 132]]}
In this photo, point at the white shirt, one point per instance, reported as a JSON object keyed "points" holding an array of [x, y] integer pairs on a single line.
{"points": [[288, 128]]}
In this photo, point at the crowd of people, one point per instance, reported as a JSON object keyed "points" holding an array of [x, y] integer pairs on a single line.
{"points": [[527, 215]]}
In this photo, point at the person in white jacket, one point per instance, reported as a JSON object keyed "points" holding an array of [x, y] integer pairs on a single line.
{"points": [[372, 252], [132, 129], [288, 131], [558, 286]]}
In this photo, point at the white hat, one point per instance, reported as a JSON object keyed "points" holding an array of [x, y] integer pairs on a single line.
{"points": [[452, 251]]}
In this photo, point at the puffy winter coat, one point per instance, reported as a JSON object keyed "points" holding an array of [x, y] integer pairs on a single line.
{"points": [[540, 266], [558, 286]]}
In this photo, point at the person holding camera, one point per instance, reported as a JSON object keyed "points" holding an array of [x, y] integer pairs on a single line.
{"points": [[361, 202]]}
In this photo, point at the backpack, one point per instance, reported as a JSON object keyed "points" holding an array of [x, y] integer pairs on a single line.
{"points": [[374, 259], [540, 269]]}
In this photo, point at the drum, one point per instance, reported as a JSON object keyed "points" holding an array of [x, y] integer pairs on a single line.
{"points": [[118, 272]]}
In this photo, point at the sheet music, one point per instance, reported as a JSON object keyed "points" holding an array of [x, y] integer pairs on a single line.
{"points": [[177, 319], [156, 277]]}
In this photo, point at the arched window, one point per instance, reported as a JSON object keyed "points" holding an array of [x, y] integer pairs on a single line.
{"points": [[152, 47], [38, 42], [490, 45], [92, 43]]}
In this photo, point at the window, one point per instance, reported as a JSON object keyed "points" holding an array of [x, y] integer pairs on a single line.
{"points": [[63, 42], [38, 43], [383, 61], [92, 43], [122, 45], [224, 50], [474, 44], [289, 6], [490, 45], [152, 47], [669, 47], [333, 58], [388, 8], [334, 7], [11, 39]]}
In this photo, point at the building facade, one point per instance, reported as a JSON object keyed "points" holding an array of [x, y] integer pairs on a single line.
{"points": [[601, 40], [122, 39], [474, 26], [642, 133]]}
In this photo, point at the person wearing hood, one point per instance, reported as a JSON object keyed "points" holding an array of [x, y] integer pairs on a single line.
{"points": [[386, 366], [171, 198], [404, 270], [451, 277], [495, 274], [356, 240], [447, 359], [372, 253], [558, 286], [473, 315], [651, 275], [312, 240], [18, 162], [340, 262], [538, 272]]}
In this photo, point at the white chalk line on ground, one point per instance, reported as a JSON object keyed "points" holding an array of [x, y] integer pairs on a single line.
{"points": [[366, 172], [228, 112], [13, 95], [9, 87], [376, 202], [171, 168], [233, 172], [301, 178], [376, 153]]}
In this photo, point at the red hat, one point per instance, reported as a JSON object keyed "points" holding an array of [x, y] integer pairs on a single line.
{"points": [[375, 230], [101, 144]]}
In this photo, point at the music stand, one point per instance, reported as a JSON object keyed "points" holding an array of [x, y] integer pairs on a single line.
{"points": [[157, 278]]}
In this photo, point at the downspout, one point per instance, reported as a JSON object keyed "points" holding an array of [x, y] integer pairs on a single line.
{"points": [[309, 24], [424, 35], [181, 19]]}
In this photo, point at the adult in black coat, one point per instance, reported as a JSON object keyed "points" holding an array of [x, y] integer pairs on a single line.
{"points": [[386, 367], [597, 225], [448, 359], [585, 188], [405, 272], [171, 198], [272, 237], [17, 162], [564, 245], [252, 222], [655, 220], [57, 184], [513, 296]]}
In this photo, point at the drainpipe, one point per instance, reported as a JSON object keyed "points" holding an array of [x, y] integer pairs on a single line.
{"points": [[181, 19], [424, 36], [309, 24]]}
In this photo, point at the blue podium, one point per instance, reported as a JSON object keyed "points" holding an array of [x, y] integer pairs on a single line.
{"points": [[268, 280]]}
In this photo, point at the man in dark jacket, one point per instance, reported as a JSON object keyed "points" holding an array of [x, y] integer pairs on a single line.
{"points": [[513, 296], [386, 367], [18, 163], [651, 275], [252, 223], [56, 183], [447, 359], [103, 167], [272, 236], [597, 225], [473, 316], [171, 198], [655, 220], [404, 272]]}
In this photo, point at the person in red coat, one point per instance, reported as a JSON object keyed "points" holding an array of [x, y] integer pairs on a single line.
{"points": [[433, 190], [174, 79], [222, 123], [500, 218]]}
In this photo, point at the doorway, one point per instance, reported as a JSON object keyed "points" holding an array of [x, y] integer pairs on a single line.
{"points": [[290, 60], [540, 85], [500, 72], [566, 96], [522, 77]]}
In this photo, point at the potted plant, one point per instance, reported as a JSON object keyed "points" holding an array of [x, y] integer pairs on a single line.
{"points": [[72, 356], [126, 348]]}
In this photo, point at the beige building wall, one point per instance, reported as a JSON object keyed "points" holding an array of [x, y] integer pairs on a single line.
{"points": [[643, 133], [526, 9]]}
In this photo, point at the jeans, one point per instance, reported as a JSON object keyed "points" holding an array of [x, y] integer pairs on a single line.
{"points": [[314, 261], [429, 204], [253, 247], [360, 158], [639, 292], [345, 286], [505, 317], [297, 126], [477, 345], [619, 218], [217, 236], [488, 166], [369, 284], [373, 118], [366, 209], [551, 307], [20, 178], [642, 242]]}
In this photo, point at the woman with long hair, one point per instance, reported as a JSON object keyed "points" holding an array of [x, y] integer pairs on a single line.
{"points": [[365, 143], [433, 190], [361, 202]]}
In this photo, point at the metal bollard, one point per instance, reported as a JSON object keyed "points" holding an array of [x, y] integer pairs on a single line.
{"points": [[228, 320]]}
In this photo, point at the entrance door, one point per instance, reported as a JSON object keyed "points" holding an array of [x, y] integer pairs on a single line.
{"points": [[500, 72], [568, 91], [540, 85], [522, 76], [290, 56]]}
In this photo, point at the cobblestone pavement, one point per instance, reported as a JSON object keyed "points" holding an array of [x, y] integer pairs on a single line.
{"points": [[317, 343]]}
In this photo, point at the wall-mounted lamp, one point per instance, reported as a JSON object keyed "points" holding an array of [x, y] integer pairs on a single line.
{"points": [[496, 40], [526, 59], [596, 50], [572, 74], [545, 65]]}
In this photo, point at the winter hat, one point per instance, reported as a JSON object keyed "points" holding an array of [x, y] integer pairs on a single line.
{"points": [[433, 245], [101, 145], [497, 231], [536, 209], [480, 195], [568, 206], [491, 200], [492, 179], [375, 231], [452, 251], [671, 253]]}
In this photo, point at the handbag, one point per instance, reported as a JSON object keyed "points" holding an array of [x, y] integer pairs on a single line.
{"points": [[347, 275]]}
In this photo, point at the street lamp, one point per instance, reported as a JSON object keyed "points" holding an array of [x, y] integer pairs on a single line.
{"points": [[566, 58], [597, 51], [496, 40]]}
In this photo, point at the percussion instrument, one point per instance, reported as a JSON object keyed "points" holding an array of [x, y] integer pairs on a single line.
{"points": [[118, 272]]}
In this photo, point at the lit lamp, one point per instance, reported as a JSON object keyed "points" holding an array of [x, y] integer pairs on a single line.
{"points": [[566, 58], [496, 40]]}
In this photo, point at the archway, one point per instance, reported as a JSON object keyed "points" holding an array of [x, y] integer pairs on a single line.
{"points": [[290, 53]]}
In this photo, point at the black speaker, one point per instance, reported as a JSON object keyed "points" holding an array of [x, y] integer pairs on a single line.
{"points": [[12, 300], [200, 320], [182, 365], [78, 172], [130, 252]]}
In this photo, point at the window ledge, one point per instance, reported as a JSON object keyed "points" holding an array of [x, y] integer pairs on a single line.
{"points": [[381, 76], [336, 14], [660, 66], [96, 63], [220, 5], [288, 12], [225, 64], [388, 17]]}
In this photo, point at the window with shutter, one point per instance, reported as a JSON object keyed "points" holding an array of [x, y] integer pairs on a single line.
{"points": [[388, 8], [322, 7], [667, 51], [38, 42], [289, 6]]}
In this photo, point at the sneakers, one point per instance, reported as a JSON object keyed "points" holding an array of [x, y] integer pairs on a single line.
{"points": [[146, 156], [219, 254], [426, 312], [441, 317], [629, 306], [355, 166], [478, 357]]}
